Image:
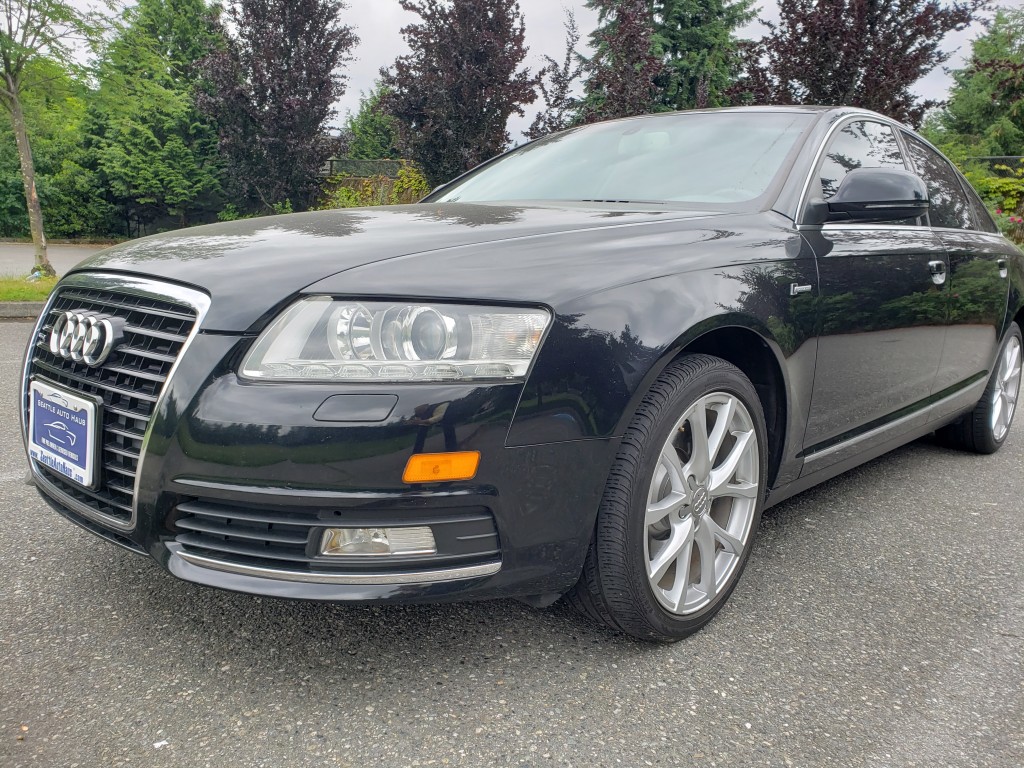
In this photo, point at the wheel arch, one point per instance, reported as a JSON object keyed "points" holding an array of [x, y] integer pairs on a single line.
{"points": [[745, 343], [1018, 318]]}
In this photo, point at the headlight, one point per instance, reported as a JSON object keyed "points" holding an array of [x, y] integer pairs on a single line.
{"points": [[322, 339]]}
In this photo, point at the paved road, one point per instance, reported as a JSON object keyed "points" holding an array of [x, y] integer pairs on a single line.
{"points": [[16, 258], [880, 623]]}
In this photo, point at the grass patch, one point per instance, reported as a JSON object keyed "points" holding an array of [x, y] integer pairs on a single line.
{"points": [[20, 289]]}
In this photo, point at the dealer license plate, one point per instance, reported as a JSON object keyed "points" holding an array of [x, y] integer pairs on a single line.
{"points": [[62, 432]]}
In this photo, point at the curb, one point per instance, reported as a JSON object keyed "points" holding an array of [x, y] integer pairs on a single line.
{"points": [[21, 310]]}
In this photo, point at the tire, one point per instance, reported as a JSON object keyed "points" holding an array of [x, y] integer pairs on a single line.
{"points": [[985, 428], [663, 505]]}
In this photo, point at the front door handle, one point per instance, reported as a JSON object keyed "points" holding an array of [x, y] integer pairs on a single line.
{"points": [[795, 289], [938, 271], [1001, 263]]}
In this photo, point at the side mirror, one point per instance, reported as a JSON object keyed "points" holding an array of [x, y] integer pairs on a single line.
{"points": [[878, 194]]}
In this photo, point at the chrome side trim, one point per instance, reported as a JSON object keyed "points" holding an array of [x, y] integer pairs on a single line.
{"points": [[838, 225], [366, 579], [199, 301], [824, 453]]}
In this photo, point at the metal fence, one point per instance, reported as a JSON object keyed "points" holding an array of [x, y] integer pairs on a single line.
{"points": [[995, 161], [361, 169]]}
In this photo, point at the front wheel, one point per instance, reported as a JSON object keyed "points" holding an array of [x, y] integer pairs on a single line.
{"points": [[681, 505]]}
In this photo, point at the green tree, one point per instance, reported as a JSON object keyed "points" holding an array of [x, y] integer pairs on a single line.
{"points": [[30, 31], [984, 118], [985, 111], [155, 154], [696, 40], [663, 55], [371, 132], [54, 111]]}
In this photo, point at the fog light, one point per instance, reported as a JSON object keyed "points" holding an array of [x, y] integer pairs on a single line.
{"points": [[378, 541], [438, 467]]}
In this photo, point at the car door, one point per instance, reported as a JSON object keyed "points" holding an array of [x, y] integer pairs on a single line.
{"points": [[882, 309], [978, 284]]}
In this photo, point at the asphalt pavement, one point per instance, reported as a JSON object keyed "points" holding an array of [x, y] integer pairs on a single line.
{"points": [[880, 623], [17, 258]]}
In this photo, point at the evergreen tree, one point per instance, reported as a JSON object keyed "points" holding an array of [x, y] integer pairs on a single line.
{"points": [[453, 94], [371, 133], [696, 39], [271, 93], [690, 57], [985, 111], [155, 154]]}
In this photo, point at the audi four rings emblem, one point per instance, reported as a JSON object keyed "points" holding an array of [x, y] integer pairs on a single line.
{"points": [[84, 338]]}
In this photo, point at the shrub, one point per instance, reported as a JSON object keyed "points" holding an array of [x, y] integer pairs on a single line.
{"points": [[352, 192], [1002, 189]]}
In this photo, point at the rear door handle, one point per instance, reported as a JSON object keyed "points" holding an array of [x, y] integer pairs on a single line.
{"points": [[938, 271], [1001, 263]]}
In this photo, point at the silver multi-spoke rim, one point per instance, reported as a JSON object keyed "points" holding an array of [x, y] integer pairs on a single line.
{"points": [[701, 503], [1007, 387]]}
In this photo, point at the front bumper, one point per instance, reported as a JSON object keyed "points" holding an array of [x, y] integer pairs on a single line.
{"points": [[238, 480]]}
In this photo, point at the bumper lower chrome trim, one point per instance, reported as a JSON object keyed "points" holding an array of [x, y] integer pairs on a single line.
{"points": [[367, 579]]}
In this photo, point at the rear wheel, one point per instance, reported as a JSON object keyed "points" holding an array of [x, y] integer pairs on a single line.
{"points": [[984, 429], [681, 506]]}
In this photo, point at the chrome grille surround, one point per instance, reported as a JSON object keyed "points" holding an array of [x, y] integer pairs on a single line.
{"points": [[127, 295]]}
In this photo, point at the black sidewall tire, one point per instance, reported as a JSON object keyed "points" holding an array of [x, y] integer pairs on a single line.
{"points": [[621, 566], [973, 432]]}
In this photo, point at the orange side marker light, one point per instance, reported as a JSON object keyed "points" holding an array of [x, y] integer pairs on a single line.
{"points": [[440, 467]]}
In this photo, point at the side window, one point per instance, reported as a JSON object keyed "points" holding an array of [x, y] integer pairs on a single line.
{"points": [[860, 144], [950, 207], [982, 218]]}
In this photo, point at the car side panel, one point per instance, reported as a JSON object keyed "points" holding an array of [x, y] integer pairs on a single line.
{"points": [[979, 289], [882, 324]]}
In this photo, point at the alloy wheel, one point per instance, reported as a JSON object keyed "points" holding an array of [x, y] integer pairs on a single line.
{"points": [[702, 502], [1006, 389]]}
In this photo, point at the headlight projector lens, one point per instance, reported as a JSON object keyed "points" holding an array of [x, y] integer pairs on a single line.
{"points": [[428, 335]]}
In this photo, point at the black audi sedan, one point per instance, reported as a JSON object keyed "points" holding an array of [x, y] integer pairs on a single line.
{"points": [[582, 369]]}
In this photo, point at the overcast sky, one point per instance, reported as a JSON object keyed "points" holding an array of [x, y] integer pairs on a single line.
{"points": [[378, 24]]}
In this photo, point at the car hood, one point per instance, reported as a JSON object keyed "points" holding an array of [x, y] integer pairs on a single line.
{"points": [[250, 267]]}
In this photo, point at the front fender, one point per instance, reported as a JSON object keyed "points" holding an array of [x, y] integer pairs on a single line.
{"points": [[606, 349]]}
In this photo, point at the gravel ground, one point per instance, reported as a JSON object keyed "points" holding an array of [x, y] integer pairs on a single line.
{"points": [[880, 623]]}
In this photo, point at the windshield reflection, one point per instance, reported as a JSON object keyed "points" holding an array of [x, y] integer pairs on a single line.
{"points": [[714, 158]]}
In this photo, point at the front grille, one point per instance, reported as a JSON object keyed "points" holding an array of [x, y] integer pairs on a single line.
{"points": [[289, 538], [130, 382]]}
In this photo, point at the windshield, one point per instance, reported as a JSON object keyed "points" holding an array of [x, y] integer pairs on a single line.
{"points": [[703, 158]]}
